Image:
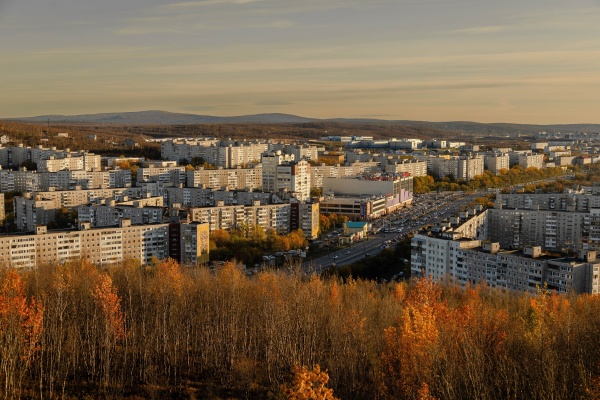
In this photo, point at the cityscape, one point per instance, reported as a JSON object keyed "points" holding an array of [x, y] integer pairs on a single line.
{"points": [[257, 199]]}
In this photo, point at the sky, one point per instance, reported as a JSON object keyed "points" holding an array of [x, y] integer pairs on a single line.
{"points": [[533, 61]]}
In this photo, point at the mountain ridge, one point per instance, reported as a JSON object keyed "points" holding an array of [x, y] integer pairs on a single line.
{"points": [[159, 117]]}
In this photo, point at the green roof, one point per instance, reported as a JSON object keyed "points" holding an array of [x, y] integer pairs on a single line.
{"points": [[351, 224]]}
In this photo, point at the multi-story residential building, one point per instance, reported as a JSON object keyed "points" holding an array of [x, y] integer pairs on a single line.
{"points": [[305, 216], [268, 216], [303, 151], [566, 201], [412, 167], [169, 176], [105, 246], [180, 149], [19, 181], [220, 153], [270, 161], [465, 168], [30, 213], [199, 197], [233, 179], [219, 217], [497, 162], [526, 159], [293, 179], [531, 161], [111, 214], [553, 230], [467, 262], [195, 243], [2, 208], [14, 155]]}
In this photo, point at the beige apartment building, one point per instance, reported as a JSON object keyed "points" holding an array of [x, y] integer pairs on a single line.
{"points": [[106, 246], [233, 179], [412, 167]]}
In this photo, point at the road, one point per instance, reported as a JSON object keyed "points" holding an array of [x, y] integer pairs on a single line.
{"points": [[428, 209], [406, 220]]}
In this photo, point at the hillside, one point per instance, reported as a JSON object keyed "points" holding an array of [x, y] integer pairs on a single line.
{"points": [[155, 117]]}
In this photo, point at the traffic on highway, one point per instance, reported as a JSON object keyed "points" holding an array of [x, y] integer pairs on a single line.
{"points": [[390, 229]]}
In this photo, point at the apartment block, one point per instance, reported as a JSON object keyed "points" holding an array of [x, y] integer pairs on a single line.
{"points": [[101, 246], [465, 168], [233, 179], [111, 215], [566, 201], [552, 230], [293, 179], [412, 167], [219, 217], [169, 176], [496, 162], [270, 161], [468, 262], [268, 216], [305, 216]]}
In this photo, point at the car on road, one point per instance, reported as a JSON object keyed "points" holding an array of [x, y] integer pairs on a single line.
{"points": [[336, 256], [348, 252]]}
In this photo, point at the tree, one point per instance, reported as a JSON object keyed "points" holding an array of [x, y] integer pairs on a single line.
{"points": [[309, 385], [21, 324]]}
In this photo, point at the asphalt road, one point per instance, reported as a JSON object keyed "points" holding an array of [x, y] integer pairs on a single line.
{"points": [[412, 218]]}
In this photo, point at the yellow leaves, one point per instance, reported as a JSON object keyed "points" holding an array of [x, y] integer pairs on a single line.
{"points": [[412, 346], [169, 277], [399, 292], [308, 385], [108, 301], [334, 294]]}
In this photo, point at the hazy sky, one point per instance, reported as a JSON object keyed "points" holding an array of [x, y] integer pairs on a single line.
{"points": [[530, 61]]}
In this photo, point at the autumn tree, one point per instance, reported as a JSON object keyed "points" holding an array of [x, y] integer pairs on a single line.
{"points": [[309, 385], [21, 324]]}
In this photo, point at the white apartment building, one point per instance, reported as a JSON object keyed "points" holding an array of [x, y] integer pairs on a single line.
{"points": [[412, 167], [467, 262], [239, 178], [497, 162], [169, 176], [268, 216], [270, 161], [465, 168], [293, 178]]}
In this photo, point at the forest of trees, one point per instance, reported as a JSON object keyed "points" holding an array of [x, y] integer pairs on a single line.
{"points": [[168, 332], [248, 244], [515, 175]]}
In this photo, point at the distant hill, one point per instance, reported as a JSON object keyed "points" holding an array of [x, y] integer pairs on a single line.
{"points": [[155, 117], [163, 118]]}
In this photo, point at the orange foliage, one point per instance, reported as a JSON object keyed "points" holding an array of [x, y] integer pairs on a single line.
{"points": [[424, 394], [334, 294], [170, 277], [14, 308], [412, 346], [309, 385], [107, 299]]}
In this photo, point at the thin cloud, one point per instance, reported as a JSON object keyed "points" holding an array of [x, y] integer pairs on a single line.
{"points": [[478, 30], [273, 103], [204, 3]]}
